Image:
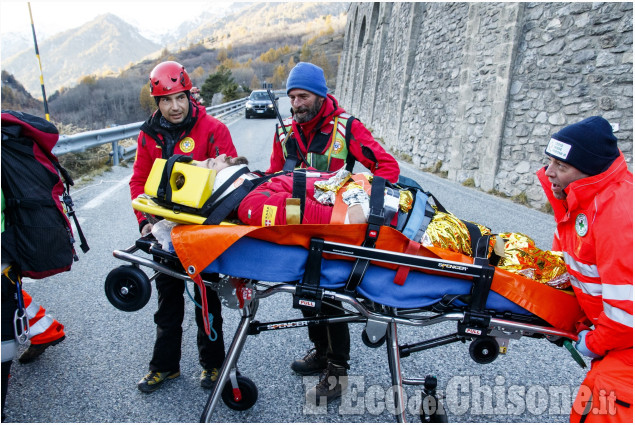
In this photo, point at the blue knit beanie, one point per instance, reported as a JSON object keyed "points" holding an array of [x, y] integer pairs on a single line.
{"points": [[308, 77], [589, 145]]}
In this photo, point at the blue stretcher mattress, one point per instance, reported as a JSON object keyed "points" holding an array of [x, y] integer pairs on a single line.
{"points": [[256, 259]]}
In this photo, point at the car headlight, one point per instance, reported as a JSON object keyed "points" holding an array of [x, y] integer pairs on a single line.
{"points": [[249, 105], [270, 106]]}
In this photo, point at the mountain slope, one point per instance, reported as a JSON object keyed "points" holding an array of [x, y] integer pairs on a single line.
{"points": [[261, 20], [103, 45]]}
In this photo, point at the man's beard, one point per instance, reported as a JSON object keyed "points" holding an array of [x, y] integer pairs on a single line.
{"points": [[303, 115]]}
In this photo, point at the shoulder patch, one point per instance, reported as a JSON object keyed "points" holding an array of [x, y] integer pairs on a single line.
{"points": [[581, 225]]}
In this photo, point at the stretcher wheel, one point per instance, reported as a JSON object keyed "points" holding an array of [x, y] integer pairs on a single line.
{"points": [[128, 288], [484, 350], [248, 394], [431, 409], [366, 340]]}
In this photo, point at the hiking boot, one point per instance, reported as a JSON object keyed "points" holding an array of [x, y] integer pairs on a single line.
{"points": [[153, 380], [35, 350], [333, 382], [209, 378], [312, 363]]}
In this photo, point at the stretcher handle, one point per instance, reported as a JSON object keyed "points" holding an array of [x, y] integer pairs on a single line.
{"points": [[574, 353]]}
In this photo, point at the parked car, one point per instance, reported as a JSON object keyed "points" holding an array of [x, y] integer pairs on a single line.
{"points": [[260, 105]]}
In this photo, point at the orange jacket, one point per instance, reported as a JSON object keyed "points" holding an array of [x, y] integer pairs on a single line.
{"points": [[595, 232]]}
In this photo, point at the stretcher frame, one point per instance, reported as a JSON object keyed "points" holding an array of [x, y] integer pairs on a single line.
{"points": [[474, 322]]}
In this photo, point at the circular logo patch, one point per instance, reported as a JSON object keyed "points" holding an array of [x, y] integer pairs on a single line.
{"points": [[581, 225], [187, 145], [337, 147]]}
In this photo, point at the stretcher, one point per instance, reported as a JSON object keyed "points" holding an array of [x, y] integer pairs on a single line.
{"points": [[380, 286]]}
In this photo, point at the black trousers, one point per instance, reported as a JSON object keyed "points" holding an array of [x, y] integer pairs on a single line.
{"points": [[169, 320], [9, 305], [333, 339]]}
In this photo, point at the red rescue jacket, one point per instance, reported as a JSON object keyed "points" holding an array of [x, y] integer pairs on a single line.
{"points": [[204, 137], [266, 205], [363, 145], [595, 232]]}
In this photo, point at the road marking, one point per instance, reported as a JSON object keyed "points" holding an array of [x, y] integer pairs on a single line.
{"points": [[99, 199]]}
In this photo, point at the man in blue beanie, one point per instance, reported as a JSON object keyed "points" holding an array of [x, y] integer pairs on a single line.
{"points": [[590, 189], [322, 136]]}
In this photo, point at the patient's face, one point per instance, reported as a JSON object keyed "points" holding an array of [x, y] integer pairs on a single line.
{"points": [[222, 161]]}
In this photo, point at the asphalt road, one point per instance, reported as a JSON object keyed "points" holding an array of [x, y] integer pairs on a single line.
{"points": [[92, 375]]}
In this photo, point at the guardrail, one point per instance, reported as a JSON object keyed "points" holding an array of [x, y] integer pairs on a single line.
{"points": [[90, 139]]}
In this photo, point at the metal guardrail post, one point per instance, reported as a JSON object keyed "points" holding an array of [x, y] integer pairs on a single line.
{"points": [[115, 152]]}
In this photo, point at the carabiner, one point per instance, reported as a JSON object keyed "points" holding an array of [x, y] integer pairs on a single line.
{"points": [[21, 327]]}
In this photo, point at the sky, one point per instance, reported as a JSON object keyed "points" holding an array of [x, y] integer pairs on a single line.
{"points": [[51, 17]]}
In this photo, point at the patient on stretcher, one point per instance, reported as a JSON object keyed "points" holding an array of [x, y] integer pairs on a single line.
{"points": [[267, 204], [272, 203]]}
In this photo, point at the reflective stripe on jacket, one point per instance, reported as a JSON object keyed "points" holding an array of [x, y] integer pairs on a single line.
{"points": [[595, 232], [335, 148], [43, 328]]}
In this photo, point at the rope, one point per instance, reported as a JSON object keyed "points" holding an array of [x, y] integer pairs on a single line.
{"points": [[210, 316]]}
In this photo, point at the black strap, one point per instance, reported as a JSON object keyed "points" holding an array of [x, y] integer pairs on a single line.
{"points": [[164, 191], [229, 203], [375, 221], [29, 203], [299, 189], [350, 158], [479, 249], [209, 204], [71, 213], [221, 210], [313, 268], [298, 151], [308, 294]]}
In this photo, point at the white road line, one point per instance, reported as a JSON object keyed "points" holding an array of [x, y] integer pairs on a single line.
{"points": [[98, 200]]}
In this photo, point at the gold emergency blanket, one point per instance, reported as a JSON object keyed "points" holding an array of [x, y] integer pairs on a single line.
{"points": [[523, 257], [520, 255]]}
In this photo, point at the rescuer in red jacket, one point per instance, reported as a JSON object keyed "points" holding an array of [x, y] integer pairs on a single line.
{"points": [[321, 135], [179, 126], [590, 189]]}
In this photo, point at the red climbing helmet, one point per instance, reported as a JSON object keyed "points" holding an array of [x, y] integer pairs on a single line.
{"points": [[168, 78]]}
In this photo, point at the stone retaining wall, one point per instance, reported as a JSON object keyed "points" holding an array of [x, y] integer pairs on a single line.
{"points": [[476, 89]]}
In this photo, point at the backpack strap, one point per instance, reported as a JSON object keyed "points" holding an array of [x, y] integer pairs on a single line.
{"points": [[350, 159]]}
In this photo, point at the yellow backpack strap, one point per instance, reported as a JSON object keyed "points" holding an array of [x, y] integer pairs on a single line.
{"points": [[333, 135]]}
